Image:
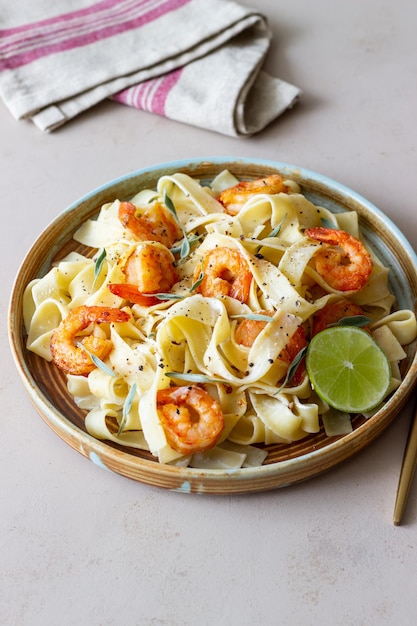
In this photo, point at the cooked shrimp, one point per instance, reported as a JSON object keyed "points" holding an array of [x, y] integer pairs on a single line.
{"points": [[155, 223], [149, 269], [191, 418], [74, 359], [225, 273], [333, 312], [235, 197], [345, 270], [297, 342], [247, 331]]}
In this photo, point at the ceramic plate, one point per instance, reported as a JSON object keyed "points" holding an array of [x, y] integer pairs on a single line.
{"points": [[285, 464]]}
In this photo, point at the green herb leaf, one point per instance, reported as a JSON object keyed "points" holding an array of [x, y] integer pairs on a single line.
{"points": [[126, 408], [169, 296], [275, 232], [253, 316], [169, 204], [191, 241], [194, 378], [97, 361], [98, 264], [185, 245], [292, 368], [185, 248], [197, 282], [353, 320], [163, 296]]}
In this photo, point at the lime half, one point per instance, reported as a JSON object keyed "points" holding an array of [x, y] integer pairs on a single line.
{"points": [[348, 369]]}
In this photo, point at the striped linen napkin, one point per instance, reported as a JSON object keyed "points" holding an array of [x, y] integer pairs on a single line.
{"points": [[194, 61]]}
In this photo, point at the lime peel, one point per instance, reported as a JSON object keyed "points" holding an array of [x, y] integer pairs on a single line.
{"points": [[348, 369]]}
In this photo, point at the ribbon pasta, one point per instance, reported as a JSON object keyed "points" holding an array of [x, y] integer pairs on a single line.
{"points": [[187, 336]]}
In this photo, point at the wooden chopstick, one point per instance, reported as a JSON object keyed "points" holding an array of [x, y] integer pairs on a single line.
{"points": [[407, 471]]}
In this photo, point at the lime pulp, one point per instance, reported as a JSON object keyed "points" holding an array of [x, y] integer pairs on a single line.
{"points": [[348, 369]]}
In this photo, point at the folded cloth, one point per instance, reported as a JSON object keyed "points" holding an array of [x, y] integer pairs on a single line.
{"points": [[195, 61]]}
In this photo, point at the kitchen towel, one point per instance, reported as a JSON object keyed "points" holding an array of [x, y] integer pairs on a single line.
{"points": [[194, 61]]}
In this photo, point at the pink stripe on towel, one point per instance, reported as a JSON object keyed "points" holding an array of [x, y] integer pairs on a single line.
{"points": [[151, 95], [24, 44]]}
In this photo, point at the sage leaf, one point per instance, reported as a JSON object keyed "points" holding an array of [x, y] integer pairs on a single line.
{"points": [[185, 245], [126, 408], [258, 317], [191, 241], [274, 232], [97, 361], [185, 248], [163, 296], [197, 282], [98, 264], [292, 368], [353, 320], [169, 204], [194, 378]]}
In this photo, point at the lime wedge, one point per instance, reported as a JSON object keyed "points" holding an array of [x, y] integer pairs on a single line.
{"points": [[348, 369]]}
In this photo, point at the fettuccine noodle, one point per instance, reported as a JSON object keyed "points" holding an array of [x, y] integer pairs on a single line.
{"points": [[184, 337]]}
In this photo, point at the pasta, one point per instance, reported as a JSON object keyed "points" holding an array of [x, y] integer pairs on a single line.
{"points": [[255, 264]]}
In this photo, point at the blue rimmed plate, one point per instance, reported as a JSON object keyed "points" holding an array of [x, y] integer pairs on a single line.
{"points": [[285, 464]]}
